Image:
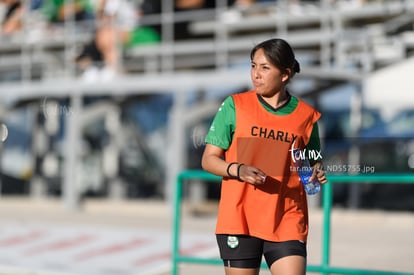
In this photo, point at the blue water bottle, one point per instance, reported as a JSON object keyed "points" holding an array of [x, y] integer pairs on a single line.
{"points": [[304, 169]]}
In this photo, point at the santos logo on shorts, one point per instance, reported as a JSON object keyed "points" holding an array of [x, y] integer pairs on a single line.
{"points": [[232, 241]]}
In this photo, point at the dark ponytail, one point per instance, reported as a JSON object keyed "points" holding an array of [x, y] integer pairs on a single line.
{"points": [[296, 67]]}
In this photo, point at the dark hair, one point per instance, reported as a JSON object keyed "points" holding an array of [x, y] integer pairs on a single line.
{"points": [[280, 54]]}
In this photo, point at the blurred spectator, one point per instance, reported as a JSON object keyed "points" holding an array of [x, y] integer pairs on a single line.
{"points": [[12, 19], [60, 10], [181, 29], [151, 7], [36, 4], [117, 28], [248, 2]]}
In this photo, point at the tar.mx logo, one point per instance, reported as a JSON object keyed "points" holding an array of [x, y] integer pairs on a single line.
{"points": [[51, 108], [299, 155], [198, 136]]}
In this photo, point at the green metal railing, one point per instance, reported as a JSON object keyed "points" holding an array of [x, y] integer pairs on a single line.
{"points": [[324, 267]]}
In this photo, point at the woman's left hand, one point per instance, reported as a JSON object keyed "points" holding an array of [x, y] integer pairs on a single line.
{"points": [[319, 173]]}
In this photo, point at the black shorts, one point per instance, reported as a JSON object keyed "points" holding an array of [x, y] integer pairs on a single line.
{"points": [[246, 252]]}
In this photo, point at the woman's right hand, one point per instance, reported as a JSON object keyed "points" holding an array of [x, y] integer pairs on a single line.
{"points": [[251, 174]]}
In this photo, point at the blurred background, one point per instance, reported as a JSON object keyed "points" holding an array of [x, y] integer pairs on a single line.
{"points": [[111, 99]]}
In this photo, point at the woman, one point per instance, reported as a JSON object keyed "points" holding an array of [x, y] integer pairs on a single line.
{"points": [[263, 207]]}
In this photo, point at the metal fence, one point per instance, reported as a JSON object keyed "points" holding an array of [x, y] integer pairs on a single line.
{"points": [[327, 194]]}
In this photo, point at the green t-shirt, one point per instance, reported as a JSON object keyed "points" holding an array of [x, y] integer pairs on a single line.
{"points": [[223, 126]]}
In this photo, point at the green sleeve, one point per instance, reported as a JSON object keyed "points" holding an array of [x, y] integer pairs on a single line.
{"points": [[314, 142], [222, 128]]}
